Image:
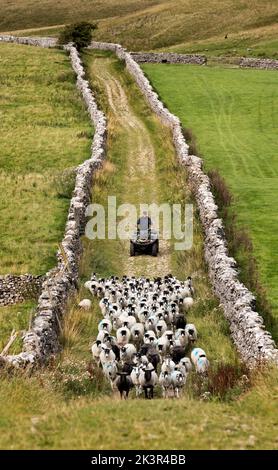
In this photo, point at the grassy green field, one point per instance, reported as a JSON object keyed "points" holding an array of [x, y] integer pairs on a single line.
{"points": [[233, 115], [68, 405], [44, 132], [181, 25]]}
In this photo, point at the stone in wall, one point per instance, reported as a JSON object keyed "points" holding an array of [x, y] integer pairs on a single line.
{"points": [[15, 289]]}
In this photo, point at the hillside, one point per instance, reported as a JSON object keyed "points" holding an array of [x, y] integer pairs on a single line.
{"points": [[182, 25]]}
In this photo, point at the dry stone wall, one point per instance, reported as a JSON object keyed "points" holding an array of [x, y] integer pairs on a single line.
{"points": [[270, 64], [254, 344], [29, 41], [15, 289], [42, 340], [168, 58]]}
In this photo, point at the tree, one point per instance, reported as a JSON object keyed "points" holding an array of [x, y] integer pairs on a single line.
{"points": [[78, 33]]}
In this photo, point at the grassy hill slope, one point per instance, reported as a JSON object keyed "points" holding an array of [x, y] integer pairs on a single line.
{"points": [[184, 24]]}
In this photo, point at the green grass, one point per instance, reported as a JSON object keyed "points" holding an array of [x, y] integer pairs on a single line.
{"points": [[181, 25], [15, 317], [233, 114], [44, 131]]}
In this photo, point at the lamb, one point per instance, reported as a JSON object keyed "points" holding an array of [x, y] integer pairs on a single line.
{"points": [[123, 383], [85, 304]]}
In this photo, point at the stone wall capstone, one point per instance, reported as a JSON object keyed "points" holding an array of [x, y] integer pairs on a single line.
{"points": [[253, 342], [42, 340]]}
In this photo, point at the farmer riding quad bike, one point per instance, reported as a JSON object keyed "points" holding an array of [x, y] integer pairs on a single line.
{"points": [[144, 241]]}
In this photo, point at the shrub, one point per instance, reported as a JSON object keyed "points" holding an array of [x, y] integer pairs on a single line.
{"points": [[78, 33]]}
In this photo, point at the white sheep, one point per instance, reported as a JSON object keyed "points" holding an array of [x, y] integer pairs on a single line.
{"points": [[85, 304], [165, 382], [105, 325], [178, 381], [110, 370], [127, 352], [192, 332], [188, 303], [123, 336], [106, 355], [135, 374]]}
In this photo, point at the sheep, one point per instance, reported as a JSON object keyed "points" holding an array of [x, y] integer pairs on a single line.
{"points": [[105, 325], [160, 328], [177, 353], [185, 361], [135, 374], [196, 353], [153, 356], [110, 370], [148, 379], [96, 350], [182, 337], [192, 332], [123, 336], [200, 361], [178, 381], [168, 365], [188, 303], [106, 355], [127, 352], [123, 383], [165, 382], [85, 304], [137, 332], [202, 365], [102, 335]]}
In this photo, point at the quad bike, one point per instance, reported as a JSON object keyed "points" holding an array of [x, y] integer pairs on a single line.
{"points": [[145, 242]]}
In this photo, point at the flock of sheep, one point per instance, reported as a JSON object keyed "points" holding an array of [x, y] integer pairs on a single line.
{"points": [[152, 339]]}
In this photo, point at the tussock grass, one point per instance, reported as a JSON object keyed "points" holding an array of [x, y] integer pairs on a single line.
{"points": [[44, 131]]}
